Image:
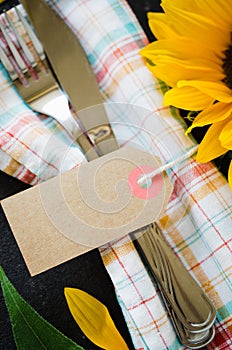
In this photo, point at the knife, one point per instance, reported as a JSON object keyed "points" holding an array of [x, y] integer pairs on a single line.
{"points": [[74, 74], [181, 292]]}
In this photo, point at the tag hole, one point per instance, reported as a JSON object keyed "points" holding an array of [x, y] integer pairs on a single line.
{"points": [[147, 184]]}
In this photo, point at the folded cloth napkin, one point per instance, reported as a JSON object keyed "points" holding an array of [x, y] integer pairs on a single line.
{"points": [[197, 221]]}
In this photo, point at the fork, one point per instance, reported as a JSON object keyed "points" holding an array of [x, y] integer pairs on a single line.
{"points": [[23, 56]]}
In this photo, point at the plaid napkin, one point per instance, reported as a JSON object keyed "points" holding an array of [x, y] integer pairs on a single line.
{"points": [[197, 221]]}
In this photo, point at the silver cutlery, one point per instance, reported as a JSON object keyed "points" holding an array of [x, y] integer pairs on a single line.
{"points": [[23, 57]]}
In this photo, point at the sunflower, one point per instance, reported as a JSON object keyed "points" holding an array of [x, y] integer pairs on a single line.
{"points": [[193, 56]]}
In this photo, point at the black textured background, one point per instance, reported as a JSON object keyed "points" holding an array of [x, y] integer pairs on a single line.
{"points": [[45, 291]]}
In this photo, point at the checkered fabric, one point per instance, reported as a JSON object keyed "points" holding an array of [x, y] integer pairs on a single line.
{"points": [[197, 221]]}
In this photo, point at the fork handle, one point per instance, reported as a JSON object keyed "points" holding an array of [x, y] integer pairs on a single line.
{"points": [[185, 296]]}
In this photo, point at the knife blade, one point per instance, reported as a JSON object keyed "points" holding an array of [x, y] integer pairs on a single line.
{"points": [[190, 304]]}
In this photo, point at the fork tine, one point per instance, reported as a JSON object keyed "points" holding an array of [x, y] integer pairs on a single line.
{"points": [[35, 41], [8, 65], [24, 47], [37, 86], [13, 50]]}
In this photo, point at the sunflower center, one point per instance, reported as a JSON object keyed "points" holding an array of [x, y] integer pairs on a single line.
{"points": [[227, 67]]}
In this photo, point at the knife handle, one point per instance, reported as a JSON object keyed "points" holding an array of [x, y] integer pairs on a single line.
{"points": [[184, 295]]}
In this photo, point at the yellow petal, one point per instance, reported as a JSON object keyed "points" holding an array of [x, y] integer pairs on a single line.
{"points": [[161, 74], [187, 98], [171, 73], [180, 48], [192, 69], [94, 320], [226, 135], [185, 5], [210, 147], [159, 26], [217, 90], [220, 11], [202, 64], [195, 24], [230, 175], [215, 113]]}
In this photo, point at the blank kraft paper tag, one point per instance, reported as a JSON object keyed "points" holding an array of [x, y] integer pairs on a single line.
{"points": [[86, 207]]}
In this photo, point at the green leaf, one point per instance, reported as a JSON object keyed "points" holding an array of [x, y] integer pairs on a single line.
{"points": [[94, 319], [30, 330]]}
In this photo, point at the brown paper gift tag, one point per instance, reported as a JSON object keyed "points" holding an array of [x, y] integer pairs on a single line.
{"points": [[85, 208]]}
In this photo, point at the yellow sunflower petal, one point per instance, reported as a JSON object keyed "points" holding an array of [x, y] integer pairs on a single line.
{"points": [[191, 69], [159, 26], [217, 90], [94, 320], [180, 48], [220, 11], [204, 65], [226, 135], [193, 25], [160, 73], [187, 98], [230, 175], [210, 147], [215, 113], [184, 5], [171, 73]]}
